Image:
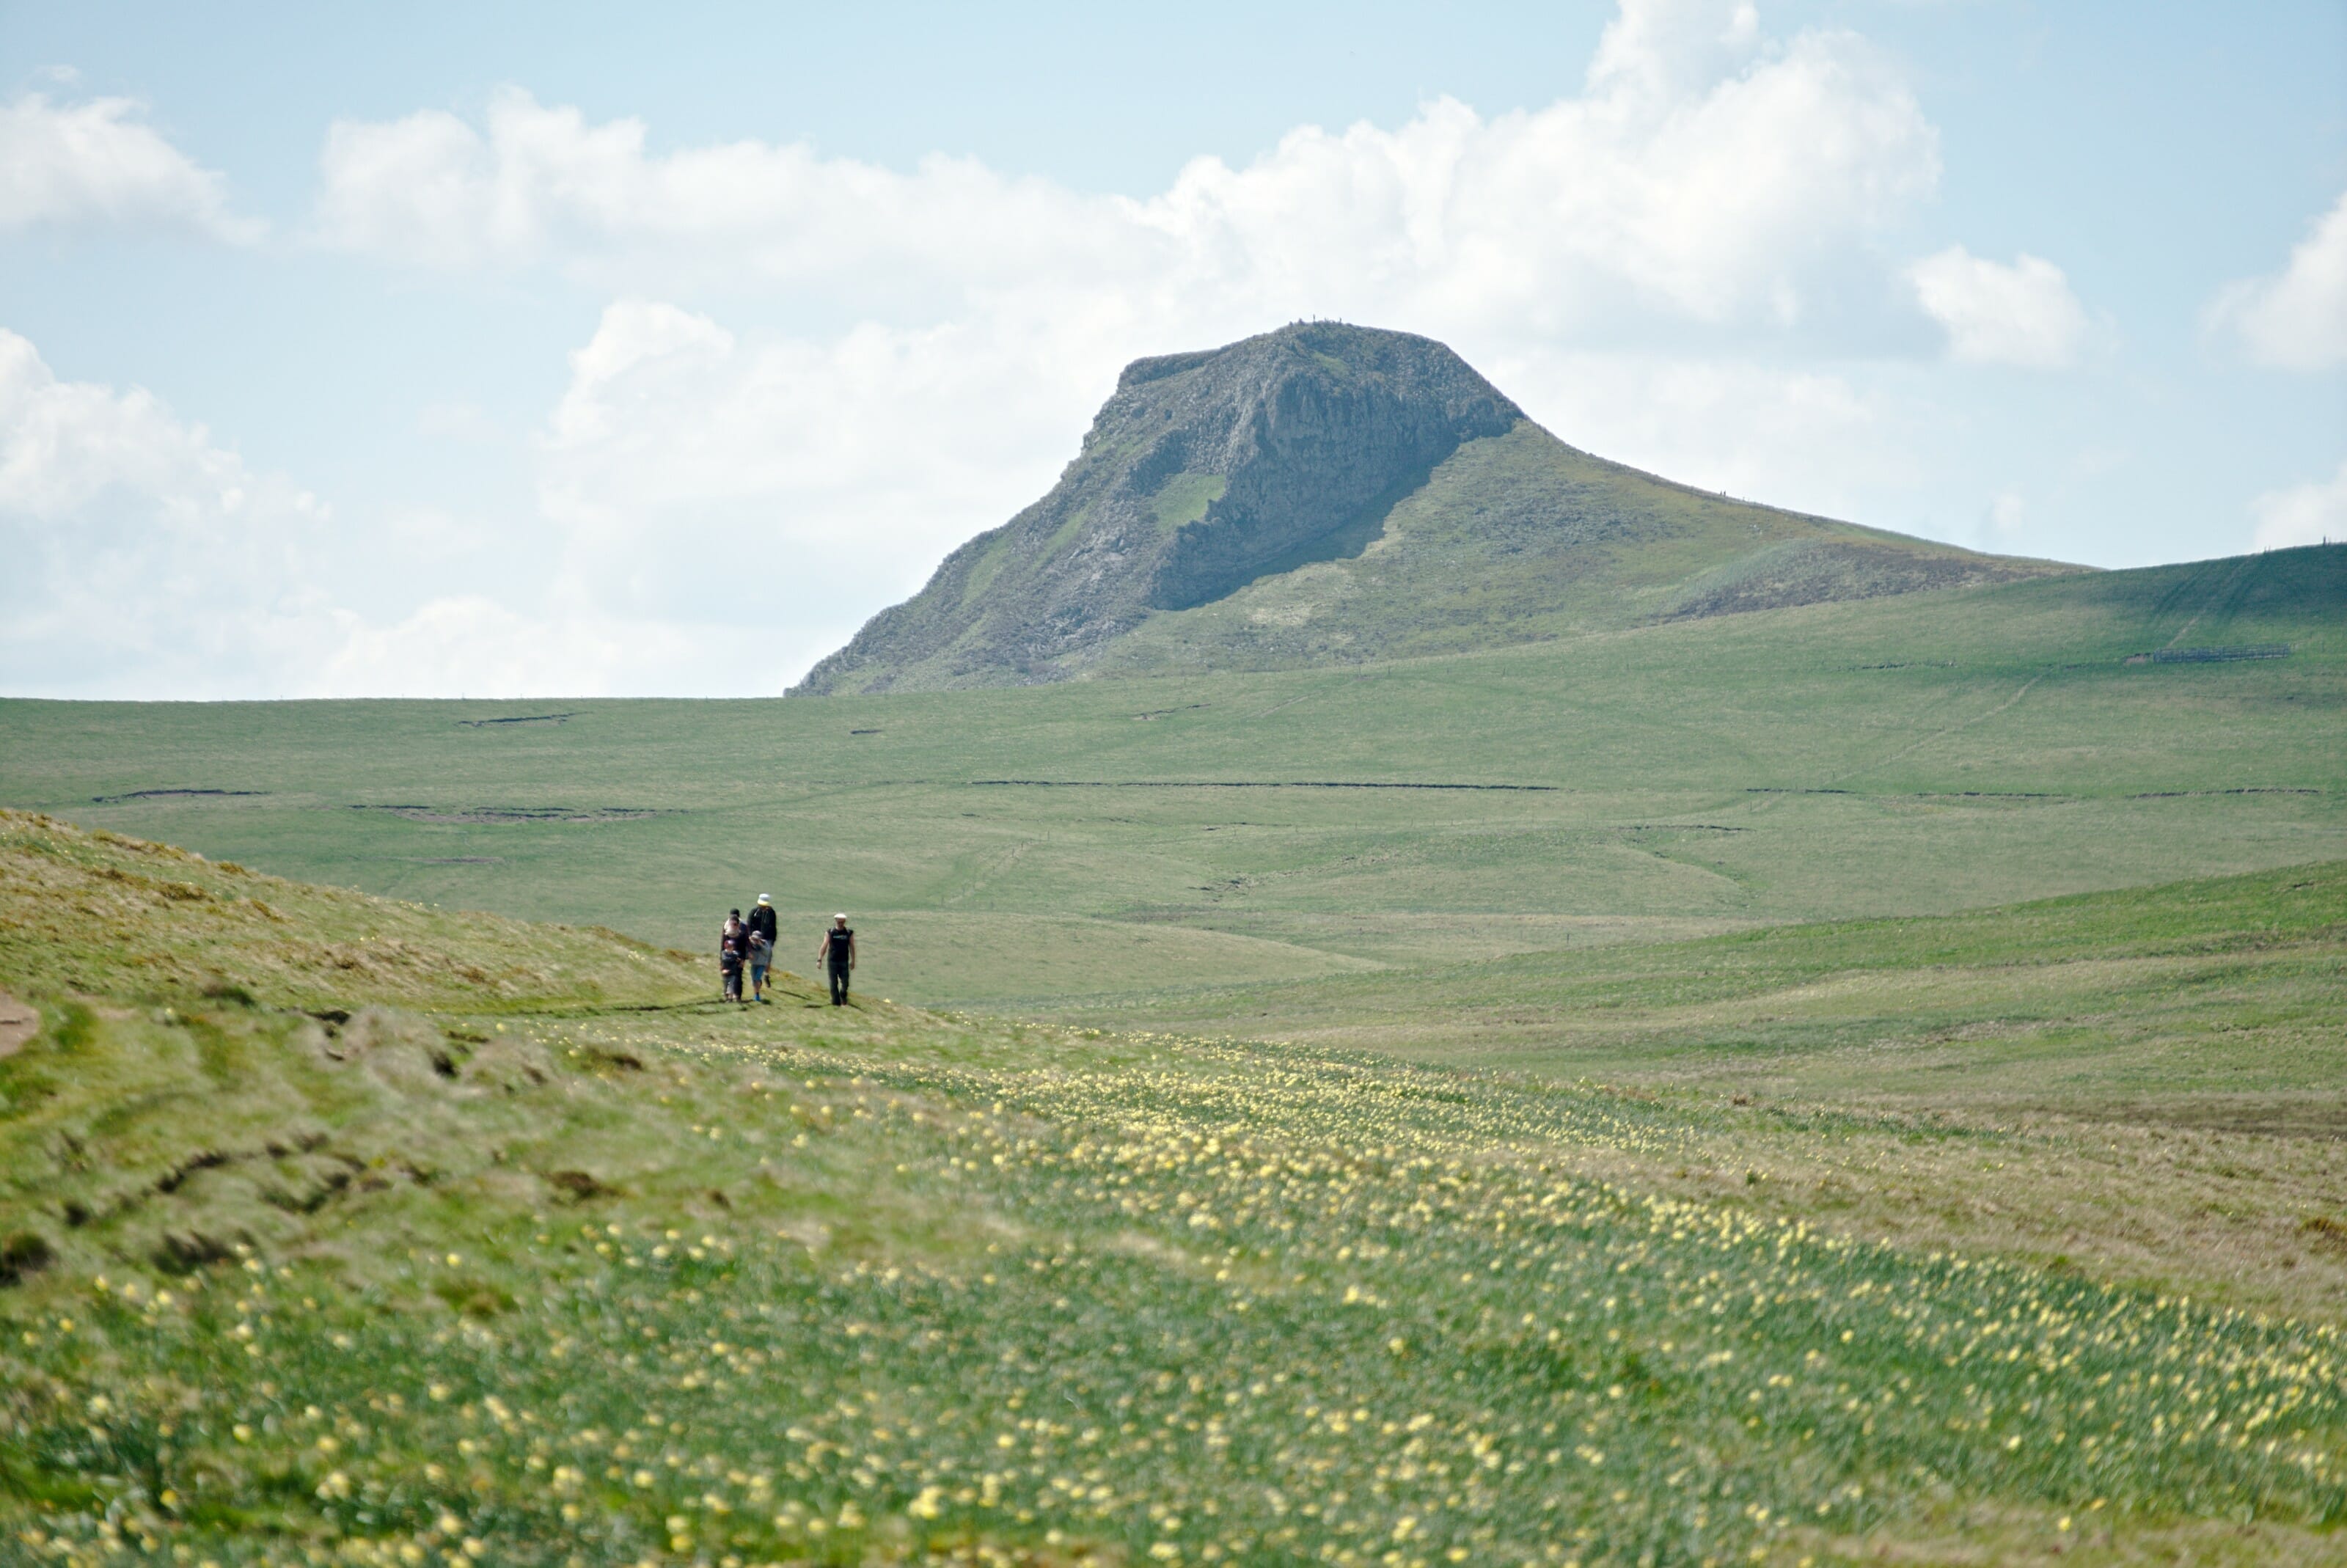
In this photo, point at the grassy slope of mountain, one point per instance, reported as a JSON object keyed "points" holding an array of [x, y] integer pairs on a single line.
{"points": [[528, 1278], [1520, 537], [1905, 755], [1328, 494]]}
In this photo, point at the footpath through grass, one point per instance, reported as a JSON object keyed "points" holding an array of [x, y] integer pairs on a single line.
{"points": [[496, 1281]]}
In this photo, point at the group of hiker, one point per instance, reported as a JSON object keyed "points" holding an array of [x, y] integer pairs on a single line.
{"points": [[749, 946]]}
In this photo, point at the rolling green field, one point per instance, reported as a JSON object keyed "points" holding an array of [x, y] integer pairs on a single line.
{"points": [[1837, 1084], [1015, 850], [337, 1230], [2201, 1000], [2196, 1030]]}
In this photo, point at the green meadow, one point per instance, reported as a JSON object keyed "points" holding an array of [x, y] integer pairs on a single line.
{"points": [[1829, 1085], [1015, 848], [343, 1231]]}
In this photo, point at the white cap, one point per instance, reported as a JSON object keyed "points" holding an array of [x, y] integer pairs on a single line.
{"points": [[839, 917], [765, 898]]}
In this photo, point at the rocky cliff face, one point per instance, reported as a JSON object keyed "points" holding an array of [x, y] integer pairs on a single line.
{"points": [[1333, 493], [1203, 473]]}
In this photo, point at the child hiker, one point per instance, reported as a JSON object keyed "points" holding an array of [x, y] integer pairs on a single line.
{"points": [[732, 944]]}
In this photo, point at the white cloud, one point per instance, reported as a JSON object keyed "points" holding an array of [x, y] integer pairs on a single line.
{"points": [[786, 487], [471, 645], [1704, 174], [2008, 515], [2022, 314], [2297, 320], [97, 164], [535, 180], [717, 503], [1806, 438], [2306, 514], [140, 551], [146, 560]]}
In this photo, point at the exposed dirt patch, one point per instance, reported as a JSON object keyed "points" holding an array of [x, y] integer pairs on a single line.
{"points": [[18, 1023], [479, 815], [518, 719], [1812, 571], [2244, 789], [579, 1186], [1242, 783], [2210, 655], [175, 795], [23, 1254]]}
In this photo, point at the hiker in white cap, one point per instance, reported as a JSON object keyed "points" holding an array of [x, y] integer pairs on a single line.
{"points": [[762, 927], [837, 954]]}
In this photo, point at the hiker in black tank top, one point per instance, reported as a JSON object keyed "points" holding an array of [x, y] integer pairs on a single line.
{"points": [[837, 954]]}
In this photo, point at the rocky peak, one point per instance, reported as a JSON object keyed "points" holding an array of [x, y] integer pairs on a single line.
{"points": [[1201, 472]]}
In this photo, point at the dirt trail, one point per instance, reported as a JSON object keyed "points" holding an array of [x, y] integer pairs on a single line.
{"points": [[2226, 586], [18, 1023], [1938, 734]]}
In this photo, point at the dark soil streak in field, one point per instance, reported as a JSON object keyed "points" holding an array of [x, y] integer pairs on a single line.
{"points": [[174, 795], [1245, 783], [518, 719], [2246, 789], [1990, 794], [476, 815]]}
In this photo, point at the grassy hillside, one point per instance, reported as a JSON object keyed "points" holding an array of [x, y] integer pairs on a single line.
{"points": [[1328, 494], [95, 912], [509, 1279], [1520, 538], [1912, 756]]}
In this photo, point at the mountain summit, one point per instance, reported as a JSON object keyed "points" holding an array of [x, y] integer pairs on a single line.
{"points": [[1328, 493]]}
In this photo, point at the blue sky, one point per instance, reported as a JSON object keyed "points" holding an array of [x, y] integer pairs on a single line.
{"points": [[603, 349]]}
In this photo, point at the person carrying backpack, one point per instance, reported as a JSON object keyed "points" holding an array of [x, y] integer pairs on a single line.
{"points": [[837, 954], [762, 918], [732, 948]]}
